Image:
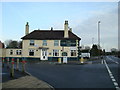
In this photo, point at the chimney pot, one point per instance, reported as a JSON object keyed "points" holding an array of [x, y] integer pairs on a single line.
{"points": [[66, 29], [51, 28], [27, 29]]}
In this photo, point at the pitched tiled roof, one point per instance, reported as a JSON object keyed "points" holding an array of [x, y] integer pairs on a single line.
{"points": [[49, 35]]}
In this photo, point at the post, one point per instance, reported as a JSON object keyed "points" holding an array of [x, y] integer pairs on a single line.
{"points": [[17, 64], [7, 62], [81, 60], [12, 68], [23, 65], [3, 61], [99, 39], [59, 60]]}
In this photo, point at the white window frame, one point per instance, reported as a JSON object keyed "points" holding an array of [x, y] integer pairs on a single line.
{"points": [[31, 50], [73, 51], [56, 42], [44, 43], [32, 42], [11, 52], [18, 52], [54, 52]]}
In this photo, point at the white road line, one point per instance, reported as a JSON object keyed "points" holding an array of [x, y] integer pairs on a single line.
{"points": [[113, 80], [102, 61], [112, 77]]}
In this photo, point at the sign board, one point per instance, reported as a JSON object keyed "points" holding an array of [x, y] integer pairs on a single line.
{"points": [[68, 43]]}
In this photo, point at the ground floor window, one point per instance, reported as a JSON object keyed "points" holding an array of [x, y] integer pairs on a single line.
{"points": [[31, 52], [73, 52], [64, 54], [11, 52], [55, 52], [18, 52]]}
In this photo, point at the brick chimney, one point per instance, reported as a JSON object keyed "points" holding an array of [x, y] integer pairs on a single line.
{"points": [[66, 29], [27, 29]]}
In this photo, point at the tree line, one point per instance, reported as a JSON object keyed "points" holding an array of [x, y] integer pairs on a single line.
{"points": [[13, 44]]}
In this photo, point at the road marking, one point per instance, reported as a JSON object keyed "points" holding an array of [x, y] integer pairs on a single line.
{"points": [[112, 60], [113, 80], [102, 61], [112, 77]]}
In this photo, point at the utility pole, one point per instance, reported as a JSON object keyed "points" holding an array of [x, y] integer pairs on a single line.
{"points": [[92, 41], [99, 39]]}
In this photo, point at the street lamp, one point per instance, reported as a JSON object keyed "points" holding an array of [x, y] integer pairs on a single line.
{"points": [[99, 38]]}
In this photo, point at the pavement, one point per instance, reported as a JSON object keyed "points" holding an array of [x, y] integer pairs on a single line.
{"points": [[21, 80], [26, 82]]}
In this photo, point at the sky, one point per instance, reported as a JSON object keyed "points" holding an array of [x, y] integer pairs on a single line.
{"points": [[82, 17]]}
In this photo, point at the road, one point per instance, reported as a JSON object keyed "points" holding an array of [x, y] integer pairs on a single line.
{"points": [[95, 74]]}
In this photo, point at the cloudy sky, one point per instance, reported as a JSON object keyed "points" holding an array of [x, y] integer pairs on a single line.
{"points": [[82, 16]]}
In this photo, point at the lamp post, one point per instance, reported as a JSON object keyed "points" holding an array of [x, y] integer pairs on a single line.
{"points": [[99, 39]]}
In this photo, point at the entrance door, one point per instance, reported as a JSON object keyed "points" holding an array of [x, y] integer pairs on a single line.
{"points": [[44, 54], [64, 59]]}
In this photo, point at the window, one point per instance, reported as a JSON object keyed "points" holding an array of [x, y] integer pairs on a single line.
{"points": [[44, 43], [73, 52], [11, 52], [55, 52], [32, 42], [64, 54], [18, 52], [31, 52], [56, 43]]}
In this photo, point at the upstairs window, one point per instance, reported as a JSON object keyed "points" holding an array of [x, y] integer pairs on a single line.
{"points": [[31, 52], [18, 52], [44, 43], [32, 43], [56, 43], [11, 52]]}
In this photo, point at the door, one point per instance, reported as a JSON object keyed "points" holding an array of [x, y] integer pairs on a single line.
{"points": [[44, 54], [64, 59]]}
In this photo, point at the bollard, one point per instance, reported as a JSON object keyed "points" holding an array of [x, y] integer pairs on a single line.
{"points": [[7, 62], [3, 60], [59, 60], [23, 66], [17, 64], [81, 60], [12, 68]]}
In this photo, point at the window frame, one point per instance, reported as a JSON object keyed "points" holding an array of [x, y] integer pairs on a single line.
{"points": [[73, 52], [31, 52], [18, 52], [56, 42], [44, 43], [11, 52], [32, 42], [55, 52]]}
